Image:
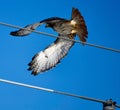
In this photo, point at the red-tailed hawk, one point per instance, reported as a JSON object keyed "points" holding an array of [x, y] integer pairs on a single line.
{"points": [[51, 56]]}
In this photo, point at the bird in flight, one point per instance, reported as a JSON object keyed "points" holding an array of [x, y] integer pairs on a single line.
{"points": [[51, 56]]}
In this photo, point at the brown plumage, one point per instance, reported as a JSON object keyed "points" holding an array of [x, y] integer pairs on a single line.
{"points": [[81, 28], [52, 55]]}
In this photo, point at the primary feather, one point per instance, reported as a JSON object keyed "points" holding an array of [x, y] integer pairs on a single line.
{"points": [[51, 56], [26, 30]]}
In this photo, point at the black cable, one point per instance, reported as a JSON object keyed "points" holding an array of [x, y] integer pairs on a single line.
{"points": [[51, 35]]}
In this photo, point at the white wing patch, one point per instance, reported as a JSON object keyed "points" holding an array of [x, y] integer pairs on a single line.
{"points": [[51, 56]]}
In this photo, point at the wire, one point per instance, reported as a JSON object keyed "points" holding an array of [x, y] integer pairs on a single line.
{"points": [[51, 35], [53, 91]]}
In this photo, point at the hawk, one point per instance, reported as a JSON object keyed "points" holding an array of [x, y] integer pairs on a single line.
{"points": [[51, 56]]}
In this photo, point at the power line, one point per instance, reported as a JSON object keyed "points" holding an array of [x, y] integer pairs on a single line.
{"points": [[51, 35], [54, 91]]}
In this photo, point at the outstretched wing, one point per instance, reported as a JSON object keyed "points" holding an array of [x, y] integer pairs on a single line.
{"points": [[29, 28], [51, 56], [26, 30]]}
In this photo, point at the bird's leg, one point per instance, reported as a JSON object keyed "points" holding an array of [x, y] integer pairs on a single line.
{"points": [[71, 36]]}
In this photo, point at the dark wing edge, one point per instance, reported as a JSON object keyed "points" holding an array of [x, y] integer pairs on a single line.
{"points": [[50, 57], [52, 19]]}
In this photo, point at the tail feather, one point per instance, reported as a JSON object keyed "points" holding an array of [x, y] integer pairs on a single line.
{"points": [[81, 26], [50, 57]]}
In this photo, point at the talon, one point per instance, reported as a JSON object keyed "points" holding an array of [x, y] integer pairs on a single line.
{"points": [[71, 36]]}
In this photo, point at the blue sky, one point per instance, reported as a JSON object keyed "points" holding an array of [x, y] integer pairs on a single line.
{"points": [[86, 71]]}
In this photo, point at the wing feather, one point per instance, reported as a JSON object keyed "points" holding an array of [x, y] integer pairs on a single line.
{"points": [[51, 56], [29, 28], [26, 30], [52, 20]]}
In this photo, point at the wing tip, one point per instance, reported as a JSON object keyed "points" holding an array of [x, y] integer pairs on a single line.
{"points": [[14, 33], [34, 73], [18, 33]]}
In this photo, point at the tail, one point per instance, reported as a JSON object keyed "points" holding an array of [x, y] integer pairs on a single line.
{"points": [[51, 56], [26, 30], [81, 26]]}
